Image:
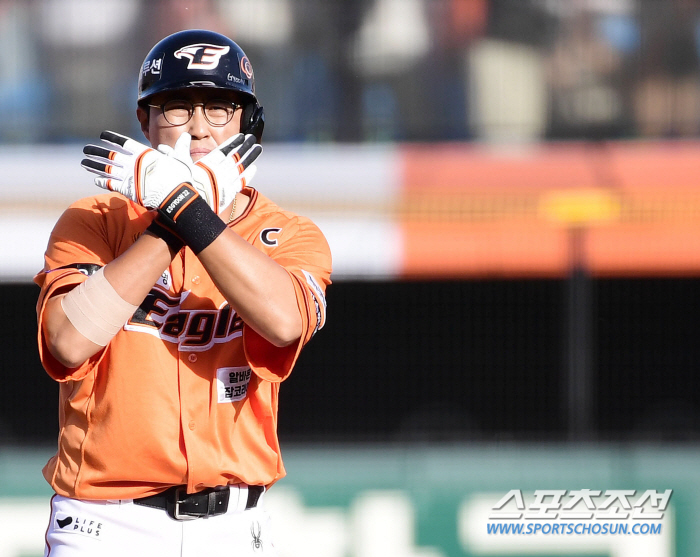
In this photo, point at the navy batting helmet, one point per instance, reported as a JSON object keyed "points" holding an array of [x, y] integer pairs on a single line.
{"points": [[200, 58]]}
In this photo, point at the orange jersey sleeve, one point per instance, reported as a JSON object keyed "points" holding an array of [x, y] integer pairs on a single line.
{"points": [[298, 245], [90, 233]]}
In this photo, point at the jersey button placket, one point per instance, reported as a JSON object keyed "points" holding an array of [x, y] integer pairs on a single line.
{"points": [[188, 394]]}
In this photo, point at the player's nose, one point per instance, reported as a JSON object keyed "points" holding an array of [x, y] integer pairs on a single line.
{"points": [[198, 127]]}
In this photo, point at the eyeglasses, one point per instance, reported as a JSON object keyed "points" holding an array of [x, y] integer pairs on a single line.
{"points": [[217, 112]]}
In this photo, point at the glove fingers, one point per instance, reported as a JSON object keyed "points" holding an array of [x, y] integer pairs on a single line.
{"points": [[232, 143], [104, 183], [114, 137], [102, 169], [249, 157], [248, 142], [234, 147], [119, 140], [182, 147], [96, 151], [126, 143], [247, 176], [95, 167], [102, 155]]}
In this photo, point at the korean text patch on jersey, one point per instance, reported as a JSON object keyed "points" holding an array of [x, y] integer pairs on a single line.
{"points": [[232, 383]]}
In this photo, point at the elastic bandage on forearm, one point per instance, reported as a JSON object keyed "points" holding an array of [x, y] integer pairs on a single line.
{"points": [[96, 310]]}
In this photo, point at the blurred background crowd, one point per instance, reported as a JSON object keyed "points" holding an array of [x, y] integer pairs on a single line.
{"points": [[371, 70]]}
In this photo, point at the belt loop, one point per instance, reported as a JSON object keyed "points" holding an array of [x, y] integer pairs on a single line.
{"points": [[255, 493], [223, 500], [211, 504], [242, 497]]}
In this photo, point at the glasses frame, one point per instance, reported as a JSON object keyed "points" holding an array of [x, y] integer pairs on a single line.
{"points": [[234, 105]]}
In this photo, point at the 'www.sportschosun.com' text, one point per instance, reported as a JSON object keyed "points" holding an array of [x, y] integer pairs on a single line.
{"points": [[574, 528]]}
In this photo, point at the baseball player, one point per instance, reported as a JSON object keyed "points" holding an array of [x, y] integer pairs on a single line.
{"points": [[171, 308]]}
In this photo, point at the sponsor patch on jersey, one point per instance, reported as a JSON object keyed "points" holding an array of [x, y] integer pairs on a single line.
{"points": [[78, 524], [202, 56], [232, 383]]}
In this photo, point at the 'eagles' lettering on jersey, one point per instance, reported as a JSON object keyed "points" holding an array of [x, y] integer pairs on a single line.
{"points": [[161, 315]]}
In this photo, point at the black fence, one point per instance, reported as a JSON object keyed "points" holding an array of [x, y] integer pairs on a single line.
{"points": [[448, 361]]}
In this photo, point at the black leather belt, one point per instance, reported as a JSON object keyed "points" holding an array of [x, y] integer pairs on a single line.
{"points": [[183, 506]]}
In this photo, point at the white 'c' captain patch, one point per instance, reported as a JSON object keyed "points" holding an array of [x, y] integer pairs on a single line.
{"points": [[202, 56]]}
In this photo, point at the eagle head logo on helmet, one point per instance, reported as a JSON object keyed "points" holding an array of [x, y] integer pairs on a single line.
{"points": [[202, 56]]}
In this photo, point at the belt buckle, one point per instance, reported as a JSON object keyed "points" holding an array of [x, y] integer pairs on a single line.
{"points": [[176, 509]]}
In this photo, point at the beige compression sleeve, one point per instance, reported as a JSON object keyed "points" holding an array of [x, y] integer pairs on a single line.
{"points": [[96, 310]]}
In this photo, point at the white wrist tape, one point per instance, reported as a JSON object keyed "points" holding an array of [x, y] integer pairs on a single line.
{"points": [[96, 310]]}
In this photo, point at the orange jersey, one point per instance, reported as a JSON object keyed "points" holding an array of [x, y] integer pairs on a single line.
{"points": [[186, 393]]}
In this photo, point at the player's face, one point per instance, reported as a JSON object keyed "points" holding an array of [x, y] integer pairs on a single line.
{"points": [[205, 136]]}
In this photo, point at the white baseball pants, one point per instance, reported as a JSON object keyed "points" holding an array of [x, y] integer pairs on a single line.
{"points": [[121, 529]]}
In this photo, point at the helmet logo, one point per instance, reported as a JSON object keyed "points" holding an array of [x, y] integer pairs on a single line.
{"points": [[202, 56], [246, 68]]}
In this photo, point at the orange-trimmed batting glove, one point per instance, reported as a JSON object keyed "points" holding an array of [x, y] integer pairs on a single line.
{"points": [[138, 172], [223, 172]]}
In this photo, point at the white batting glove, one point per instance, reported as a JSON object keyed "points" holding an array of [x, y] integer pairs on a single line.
{"points": [[200, 179], [137, 171], [223, 172], [231, 167]]}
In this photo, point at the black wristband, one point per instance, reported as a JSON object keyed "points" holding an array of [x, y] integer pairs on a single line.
{"points": [[191, 218], [174, 242]]}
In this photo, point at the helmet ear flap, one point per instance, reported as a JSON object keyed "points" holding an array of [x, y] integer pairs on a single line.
{"points": [[253, 120]]}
